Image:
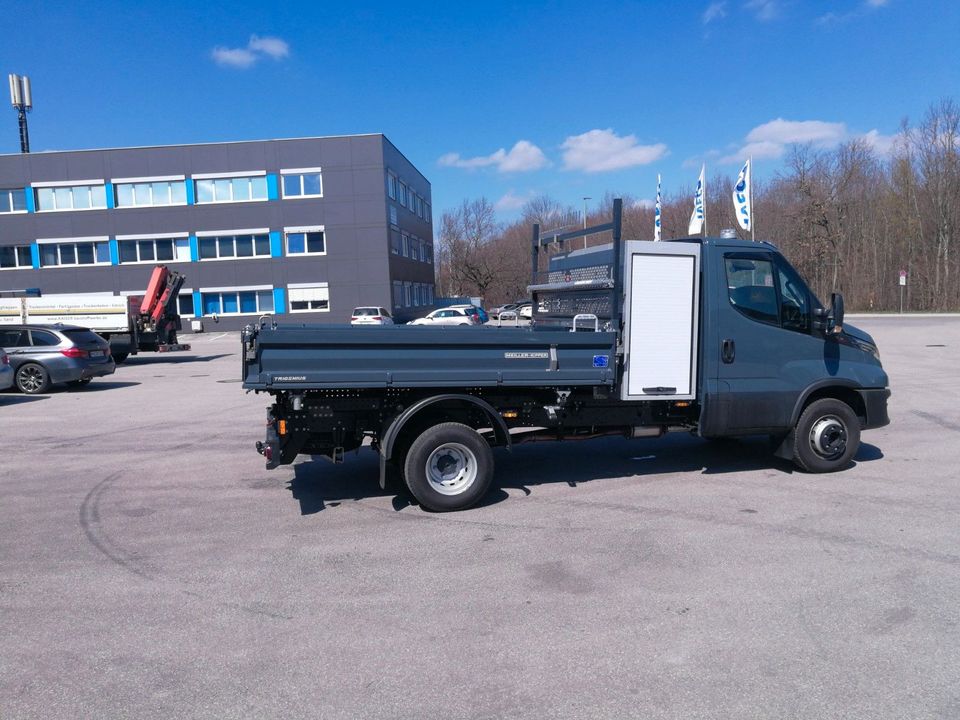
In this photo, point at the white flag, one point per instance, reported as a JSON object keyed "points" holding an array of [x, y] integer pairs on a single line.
{"points": [[656, 214], [742, 197], [697, 217]]}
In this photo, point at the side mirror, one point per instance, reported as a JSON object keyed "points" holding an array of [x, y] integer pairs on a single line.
{"points": [[829, 321], [836, 312]]}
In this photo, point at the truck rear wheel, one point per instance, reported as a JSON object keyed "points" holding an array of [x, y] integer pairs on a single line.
{"points": [[449, 467], [827, 436], [119, 357]]}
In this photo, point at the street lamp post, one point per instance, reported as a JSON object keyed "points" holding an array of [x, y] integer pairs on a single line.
{"points": [[585, 220], [22, 100]]}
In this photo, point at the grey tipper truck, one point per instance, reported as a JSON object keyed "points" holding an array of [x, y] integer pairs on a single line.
{"points": [[716, 337]]}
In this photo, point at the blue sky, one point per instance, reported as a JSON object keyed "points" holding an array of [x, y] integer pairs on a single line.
{"points": [[496, 99]]}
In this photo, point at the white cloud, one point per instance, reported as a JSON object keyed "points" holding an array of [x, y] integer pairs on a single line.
{"points": [[524, 156], [783, 131], [770, 140], [234, 57], [273, 46], [763, 10], [604, 150], [257, 48], [511, 202], [645, 204], [714, 11], [882, 145]]}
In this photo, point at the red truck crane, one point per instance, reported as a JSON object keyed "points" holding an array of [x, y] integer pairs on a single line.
{"points": [[154, 321]]}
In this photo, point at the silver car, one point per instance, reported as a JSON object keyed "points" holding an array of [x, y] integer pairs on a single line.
{"points": [[42, 355]]}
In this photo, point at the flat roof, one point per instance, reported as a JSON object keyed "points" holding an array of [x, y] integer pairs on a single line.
{"points": [[196, 144]]}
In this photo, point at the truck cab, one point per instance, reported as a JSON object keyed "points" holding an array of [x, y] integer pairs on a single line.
{"points": [[773, 351]]}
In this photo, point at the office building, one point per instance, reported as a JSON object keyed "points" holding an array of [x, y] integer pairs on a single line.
{"points": [[305, 228]]}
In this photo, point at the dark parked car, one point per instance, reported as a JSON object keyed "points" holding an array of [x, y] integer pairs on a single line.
{"points": [[42, 355]]}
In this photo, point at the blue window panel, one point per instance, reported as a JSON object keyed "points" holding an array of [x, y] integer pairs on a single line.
{"points": [[211, 303], [279, 301], [248, 302], [296, 243], [276, 244], [197, 300], [194, 248], [114, 252], [31, 200], [273, 188], [35, 255], [266, 300], [291, 185], [230, 303], [111, 198], [191, 195]]}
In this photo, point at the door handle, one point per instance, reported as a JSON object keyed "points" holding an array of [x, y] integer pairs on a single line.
{"points": [[728, 350]]}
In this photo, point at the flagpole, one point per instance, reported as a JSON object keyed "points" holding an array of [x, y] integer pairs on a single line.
{"points": [[753, 208]]}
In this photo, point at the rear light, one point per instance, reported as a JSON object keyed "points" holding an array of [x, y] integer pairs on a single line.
{"points": [[376, 317], [74, 352], [4, 360], [355, 318]]}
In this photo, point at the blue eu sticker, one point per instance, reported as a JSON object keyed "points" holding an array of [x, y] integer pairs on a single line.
{"points": [[601, 360]]}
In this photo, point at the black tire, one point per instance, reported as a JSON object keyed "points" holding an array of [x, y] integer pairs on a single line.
{"points": [[827, 436], [33, 379], [449, 467], [120, 357]]}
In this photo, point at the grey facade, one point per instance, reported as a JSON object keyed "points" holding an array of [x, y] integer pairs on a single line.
{"points": [[309, 228]]}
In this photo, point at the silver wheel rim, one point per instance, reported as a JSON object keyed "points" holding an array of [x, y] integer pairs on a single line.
{"points": [[451, 468], [828, 437], [31, 379]]}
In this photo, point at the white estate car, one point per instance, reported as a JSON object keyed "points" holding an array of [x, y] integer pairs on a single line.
{"points": [[371, 316], [450, 316]]}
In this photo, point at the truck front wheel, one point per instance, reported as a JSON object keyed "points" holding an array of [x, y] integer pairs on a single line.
{"points": [[827, 436], [449, 467]]}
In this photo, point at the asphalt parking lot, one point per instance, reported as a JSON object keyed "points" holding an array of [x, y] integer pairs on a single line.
{"points": [[151, 568]]}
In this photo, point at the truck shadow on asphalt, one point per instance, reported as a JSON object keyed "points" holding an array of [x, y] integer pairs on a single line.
{"points": [[318, 485], [7, 399], [170, 359]]}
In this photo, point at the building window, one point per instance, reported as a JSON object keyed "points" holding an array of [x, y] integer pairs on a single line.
{"points": [[13, 200], [312, 298], [146, 194], [302, 183], [403, 194], [396, 245], [236, 302], [405, 244], [231, 189], [419, 206], [217, 247], [75, 253], [185, 304], [414, 248], [391, 186], [15, 256], [426, 212], [428, 253], [407, 294], [305, 241], [74, 197], [397, 294], [154, 250]]}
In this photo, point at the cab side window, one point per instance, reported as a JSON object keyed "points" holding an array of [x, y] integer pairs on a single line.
{"points": [[794, 300], [751, 289]]}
